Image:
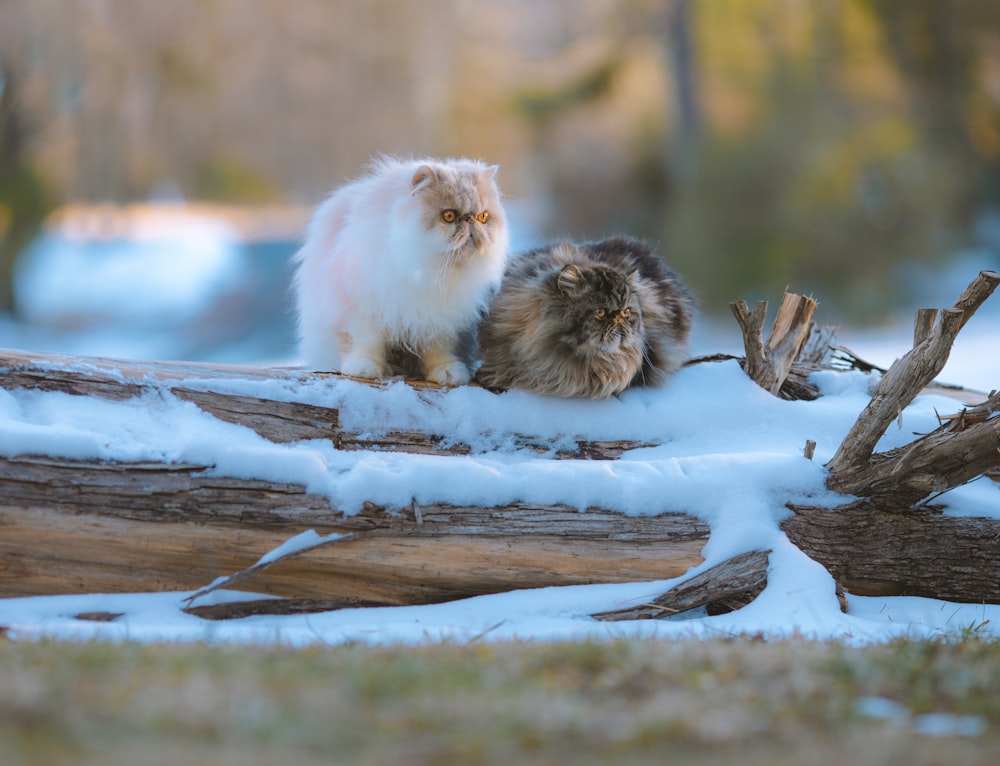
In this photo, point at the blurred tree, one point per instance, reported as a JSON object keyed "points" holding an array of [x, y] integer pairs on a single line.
{"points": [[834, 139], [25, 199], [541, 106], [940, 49], [225, 179], [600, 142], [683, 63], [817, 170]]}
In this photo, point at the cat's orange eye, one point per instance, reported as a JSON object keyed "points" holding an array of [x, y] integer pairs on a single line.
{"points": [[483, 217], [449, 216], [626, 312], [600, 314]]}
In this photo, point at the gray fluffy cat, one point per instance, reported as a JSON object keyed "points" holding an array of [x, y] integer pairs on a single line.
{"points": [[585, 320]]}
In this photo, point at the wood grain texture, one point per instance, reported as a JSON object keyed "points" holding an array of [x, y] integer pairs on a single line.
{"points": [[965, 447], [752, 327], [723, 588], [86, 526], [72, 527], [908, 375], [874, 552], [279, 421], [936, 462], [769, 364], [789, 332]]}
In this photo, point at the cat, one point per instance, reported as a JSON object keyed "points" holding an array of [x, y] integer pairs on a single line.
{"points": [[397, 265], [587, 320]]}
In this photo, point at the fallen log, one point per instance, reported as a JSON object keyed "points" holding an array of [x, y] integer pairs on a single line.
{"points": [[205, 386], [893, 541], [89, 526], [86, 527], [723, 588], [896, 542], [909, 375], [920, 552]]}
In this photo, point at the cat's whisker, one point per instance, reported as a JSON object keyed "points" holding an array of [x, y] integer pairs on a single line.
{"points": [[648, 364]]}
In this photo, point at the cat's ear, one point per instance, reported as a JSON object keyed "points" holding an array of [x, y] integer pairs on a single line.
{"points": [[633, 277], [422, 176], [489, 173], [569, 279]]}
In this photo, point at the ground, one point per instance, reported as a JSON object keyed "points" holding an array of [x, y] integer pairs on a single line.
{"points": [[624, 702]]}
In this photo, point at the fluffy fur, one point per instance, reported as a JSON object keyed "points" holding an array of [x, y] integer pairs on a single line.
{"points": [[397, 265], [585, 320]]}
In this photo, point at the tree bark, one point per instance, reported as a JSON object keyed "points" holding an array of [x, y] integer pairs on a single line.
{"points": [[963, 449], [897, 479], [891, 542], [871, 551], [82, 527], [939, 461], [278, 421], [910, 374], [724, 588], [85, 527], [769, 365]]}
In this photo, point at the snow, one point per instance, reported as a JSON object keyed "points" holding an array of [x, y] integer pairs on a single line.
{"points": [[929, 724], [146, 265], [949, 725], [721, 449], [725, 451]]}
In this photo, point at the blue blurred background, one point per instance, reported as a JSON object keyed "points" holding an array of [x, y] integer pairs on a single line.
{"points": [[158, 160]]}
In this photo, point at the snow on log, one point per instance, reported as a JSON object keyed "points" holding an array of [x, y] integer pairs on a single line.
{"points": [[205, 385], [91, 527], [911, 373], [894, 541]]}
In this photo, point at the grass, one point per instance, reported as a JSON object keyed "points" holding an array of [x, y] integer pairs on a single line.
{"points": [[714, 702]]}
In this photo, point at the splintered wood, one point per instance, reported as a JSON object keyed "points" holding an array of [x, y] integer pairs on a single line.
{"points": [[895, 541], [769, 364], [93, 526], [899, 475], [723, 588]]}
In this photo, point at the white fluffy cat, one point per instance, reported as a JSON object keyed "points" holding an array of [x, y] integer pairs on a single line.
{"points": [[404, 258]]}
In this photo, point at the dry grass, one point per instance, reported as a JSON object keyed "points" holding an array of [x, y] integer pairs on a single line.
{"points": [[724, 701]]}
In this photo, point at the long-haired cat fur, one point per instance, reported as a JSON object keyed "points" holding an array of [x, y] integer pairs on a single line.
{"points": [[585, 320], [397, 265]]}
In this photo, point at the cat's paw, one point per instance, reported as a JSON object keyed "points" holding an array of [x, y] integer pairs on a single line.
{"points": [[362, 367], [453, 373]]}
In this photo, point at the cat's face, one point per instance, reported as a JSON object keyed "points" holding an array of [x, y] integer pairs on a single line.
{"points": [[597, 311], [461, 203]]}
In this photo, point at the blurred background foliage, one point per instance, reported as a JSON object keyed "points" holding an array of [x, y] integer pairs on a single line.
{"points": [[763, 144]]}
